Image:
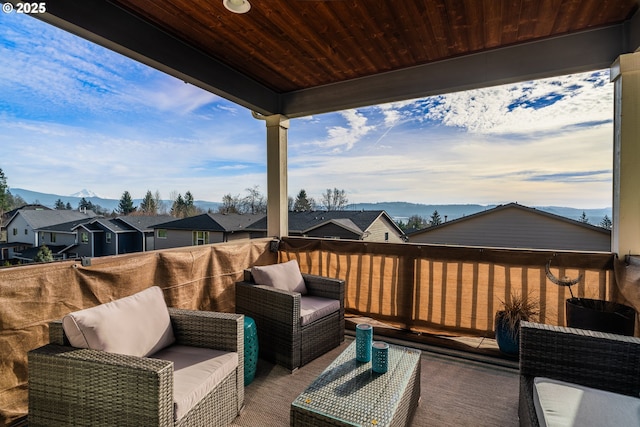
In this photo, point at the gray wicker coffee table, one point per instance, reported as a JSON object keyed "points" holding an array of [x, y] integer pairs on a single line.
{"points": [[348, 393]]}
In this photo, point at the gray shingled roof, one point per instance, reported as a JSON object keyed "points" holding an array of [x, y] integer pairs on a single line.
{"points": [[301, 222], [213, 222], [203, 222], [145, 222], [39, 219]]}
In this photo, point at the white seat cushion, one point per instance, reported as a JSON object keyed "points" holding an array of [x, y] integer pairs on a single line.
{"points": [[196, 371], [137, 325], [560, 403], [314, 308], [285, 276]]}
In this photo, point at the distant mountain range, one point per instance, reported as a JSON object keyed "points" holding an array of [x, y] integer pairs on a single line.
{"points": [[400, 211], [49, 200]]}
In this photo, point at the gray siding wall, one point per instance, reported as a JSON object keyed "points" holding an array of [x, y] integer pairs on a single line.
{"points": [[179, 238], [85, 249], [513, 228], [20, 225]]}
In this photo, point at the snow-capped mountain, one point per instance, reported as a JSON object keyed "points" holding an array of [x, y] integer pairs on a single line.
{"points": [[84, 193]]}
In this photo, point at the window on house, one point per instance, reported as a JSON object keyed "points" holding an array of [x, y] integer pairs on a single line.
{"points": [[200, 238], [386, 237], [107, 237], [15, 231], [26, 231], [161, 233], [84, 237], [53, 237]]}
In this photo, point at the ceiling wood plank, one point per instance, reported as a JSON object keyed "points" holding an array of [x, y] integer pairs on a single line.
{"points": [[285, 55]]}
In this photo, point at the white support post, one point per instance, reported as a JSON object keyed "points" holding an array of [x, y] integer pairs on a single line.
{"points": [[625, 74], [277, 193]]}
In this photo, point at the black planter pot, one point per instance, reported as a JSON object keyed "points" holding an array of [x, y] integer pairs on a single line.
{"points": [[508, 341], [599, 315]]}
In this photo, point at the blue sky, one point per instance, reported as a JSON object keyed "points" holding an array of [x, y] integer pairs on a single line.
{"points": [[75, 115]]}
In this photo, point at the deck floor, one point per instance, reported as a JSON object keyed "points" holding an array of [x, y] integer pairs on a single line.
{"points": [[456, 391]]}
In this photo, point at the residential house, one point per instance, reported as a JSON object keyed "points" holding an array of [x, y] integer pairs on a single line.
{"points": [[6, 247], [143, 224], [517, 226], [370, 226], [99, 236], [206, 228], [26, 227]]}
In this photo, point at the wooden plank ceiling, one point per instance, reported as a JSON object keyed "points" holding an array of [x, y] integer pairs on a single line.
{"points": [[302, 57], [289, 45]]}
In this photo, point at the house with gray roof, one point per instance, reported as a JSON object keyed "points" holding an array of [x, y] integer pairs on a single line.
{"points": [[25, 226], [371, 226], [143, 224], [517, 226], [206, 228]]}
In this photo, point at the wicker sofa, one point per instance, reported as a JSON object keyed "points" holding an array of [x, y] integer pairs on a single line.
{"points": [[282, 338], [586, 358], [72, 386]]}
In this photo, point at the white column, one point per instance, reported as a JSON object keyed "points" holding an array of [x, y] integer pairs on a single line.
{"points": [[625, 74], [277, 193]]}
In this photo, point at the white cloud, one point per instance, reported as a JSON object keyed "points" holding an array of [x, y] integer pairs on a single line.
{"points": [[341, 138], [533, 107]]}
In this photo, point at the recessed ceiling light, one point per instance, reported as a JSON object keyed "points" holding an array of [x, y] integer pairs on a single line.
{"points": [[237, 6]]}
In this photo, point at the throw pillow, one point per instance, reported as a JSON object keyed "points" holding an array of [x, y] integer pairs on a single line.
{"points": [[285, 276], [138, 325]]}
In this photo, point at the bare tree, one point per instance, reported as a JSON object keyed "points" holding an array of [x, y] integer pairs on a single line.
{"points": [[334, 200], [254, 202], [230, 204]]}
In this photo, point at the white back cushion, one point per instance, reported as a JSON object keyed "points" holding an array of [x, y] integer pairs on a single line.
{"points": [[560, 404], [285, 276], [138, 325]]}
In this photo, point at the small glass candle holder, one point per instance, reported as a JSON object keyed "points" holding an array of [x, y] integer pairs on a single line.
{"points": [[364, 339], [380, 357]]}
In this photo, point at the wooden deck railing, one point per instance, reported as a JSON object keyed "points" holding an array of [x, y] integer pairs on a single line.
{"points": [[422, 287]]}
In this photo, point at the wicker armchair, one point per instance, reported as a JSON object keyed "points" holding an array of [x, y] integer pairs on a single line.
{"points": [[69, 386], [593, 359], [283, 340]]}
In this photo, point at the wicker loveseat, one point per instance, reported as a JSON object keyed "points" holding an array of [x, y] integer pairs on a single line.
{"points": [[70, 386], [596, 360], [282, 336]]}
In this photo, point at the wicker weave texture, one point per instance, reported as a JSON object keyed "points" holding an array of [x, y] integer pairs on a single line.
{"points": [[349, 393], [277, 316], [593, 359], [82, 387]]}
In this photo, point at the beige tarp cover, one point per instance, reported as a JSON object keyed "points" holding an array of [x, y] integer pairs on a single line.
{"points": [[31, 296]]}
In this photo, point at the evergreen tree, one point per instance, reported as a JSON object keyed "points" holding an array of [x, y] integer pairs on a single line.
{"points": [[189, 208], [435, 219], [68, 206], [177, 209], [44, 254], [125, 207], [60, 205], [85, 204], [149, 205], [583, 218], [606, 222], [302, 202], [5, 196]]}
